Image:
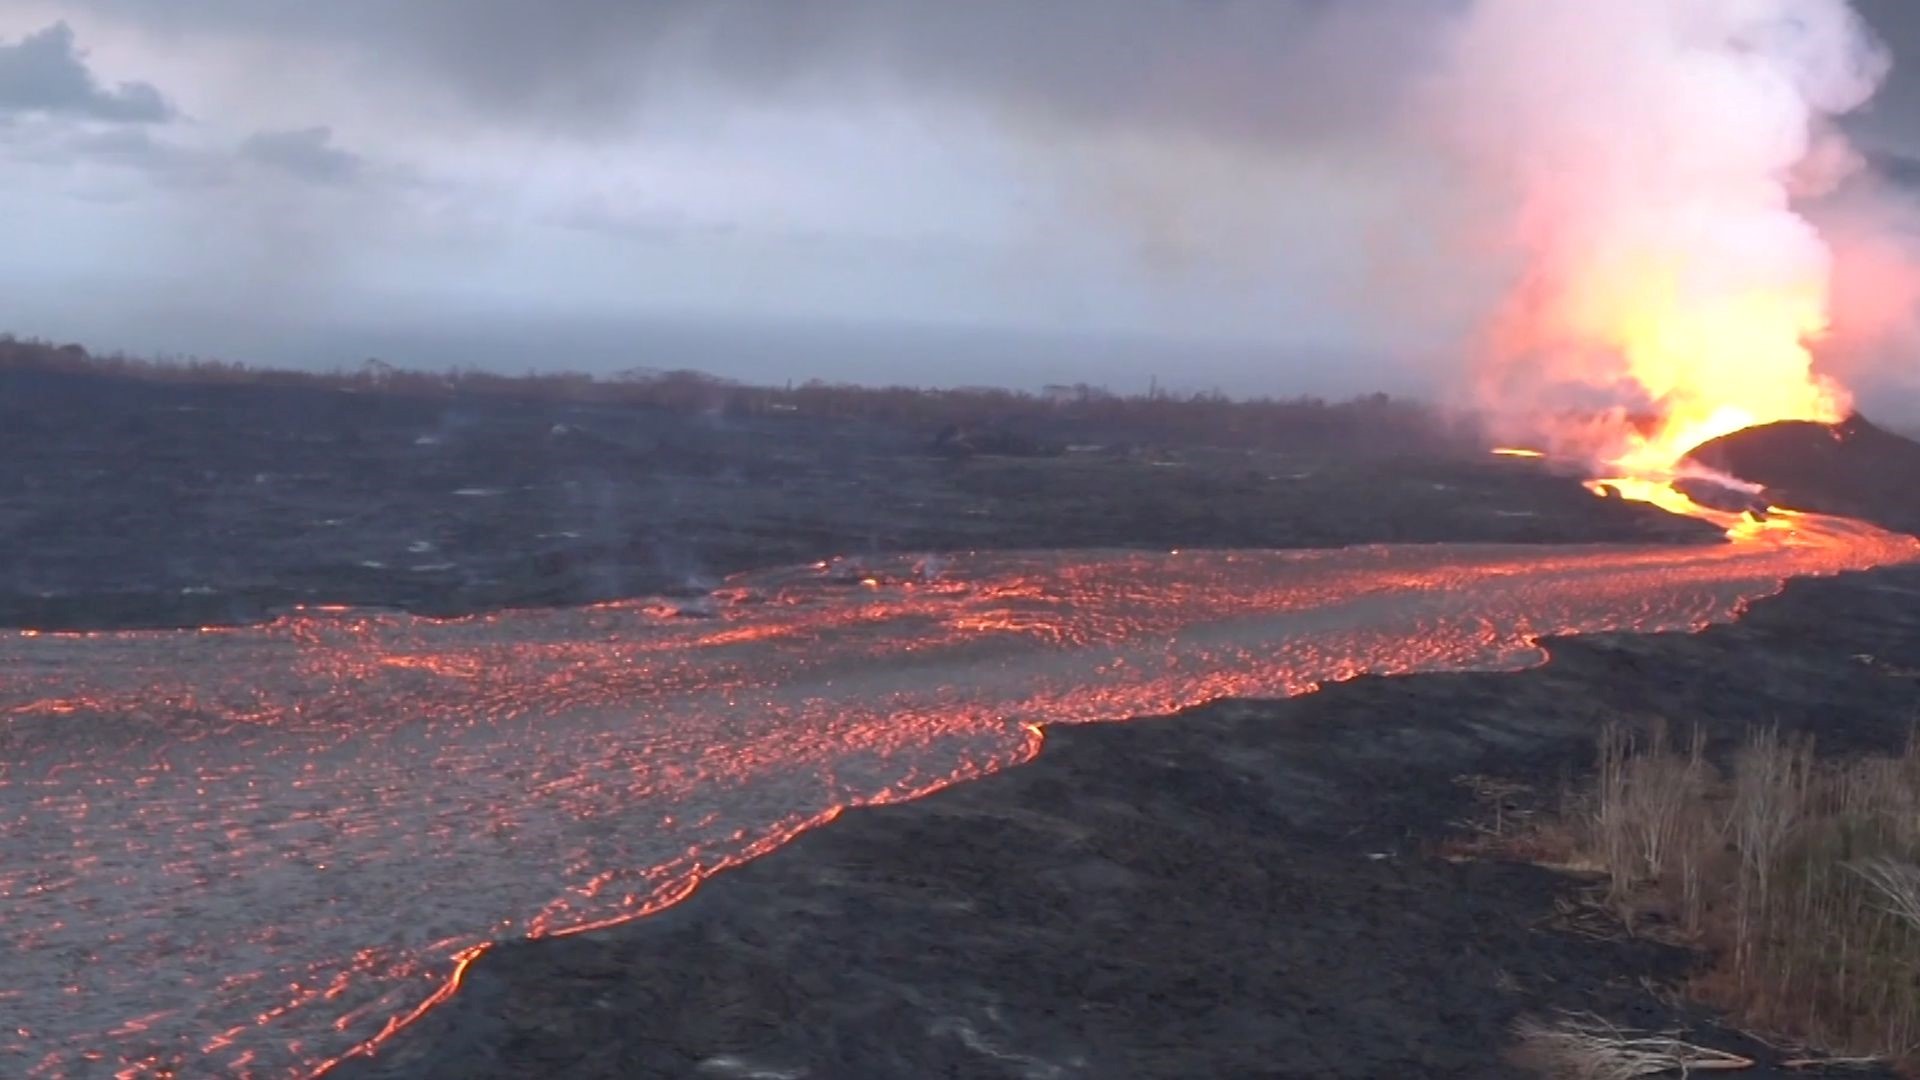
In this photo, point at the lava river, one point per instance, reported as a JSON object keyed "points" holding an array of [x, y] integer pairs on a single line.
{"points": [[250, 851]]}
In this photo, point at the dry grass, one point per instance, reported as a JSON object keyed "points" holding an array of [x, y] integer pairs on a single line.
{"points": [[1584, 1047], [1800, 878]]}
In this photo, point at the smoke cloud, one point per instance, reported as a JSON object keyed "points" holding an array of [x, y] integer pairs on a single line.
{"points": [[1643, 171], [1872, 226]]}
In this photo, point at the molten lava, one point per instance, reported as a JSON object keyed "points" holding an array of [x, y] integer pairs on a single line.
{"points": [[1712, 367], [251, 851]]}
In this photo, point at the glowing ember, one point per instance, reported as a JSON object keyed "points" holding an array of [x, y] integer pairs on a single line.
{"points": [[1514, 451], [250, 851]]}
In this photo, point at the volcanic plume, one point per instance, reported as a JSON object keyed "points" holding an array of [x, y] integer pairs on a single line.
{"points": [[1642, 168]]}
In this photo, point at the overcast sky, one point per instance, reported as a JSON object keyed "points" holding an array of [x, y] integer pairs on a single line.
{"points": [[1031, 190]]}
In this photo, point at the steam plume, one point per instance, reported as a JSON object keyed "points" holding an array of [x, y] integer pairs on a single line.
{"points": [[1641, 166]]}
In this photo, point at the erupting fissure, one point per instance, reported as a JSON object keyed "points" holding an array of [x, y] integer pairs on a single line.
{"points": [[1653, 167], [1715, 367], [1712, 370]]}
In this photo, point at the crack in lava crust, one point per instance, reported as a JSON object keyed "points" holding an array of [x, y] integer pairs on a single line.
{"points": [[250, 851]]}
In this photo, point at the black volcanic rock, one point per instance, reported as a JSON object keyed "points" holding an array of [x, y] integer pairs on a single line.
{"points": [[131, 502], [1852, 468]]}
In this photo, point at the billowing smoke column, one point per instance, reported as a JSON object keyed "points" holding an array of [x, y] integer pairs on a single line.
{"points": [[1639, 163]]}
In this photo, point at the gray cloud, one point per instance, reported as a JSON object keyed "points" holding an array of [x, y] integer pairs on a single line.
{"points": [[1248, 68], [1292, 73], [45, 73], [306, 153], [112, 163], [1195, 120], [1893, 117], [165, 163]]}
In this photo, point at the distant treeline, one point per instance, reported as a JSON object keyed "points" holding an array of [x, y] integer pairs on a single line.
{"points": [[1374, 421]]}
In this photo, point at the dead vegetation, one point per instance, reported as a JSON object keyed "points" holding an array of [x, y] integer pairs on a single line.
{"points": [[1800, 879], [1585, 1047]]}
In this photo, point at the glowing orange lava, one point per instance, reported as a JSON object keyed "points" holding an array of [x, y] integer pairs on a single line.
{"points": [[1715, 365], [1700, 361], [1709, 365], [255, 851]]}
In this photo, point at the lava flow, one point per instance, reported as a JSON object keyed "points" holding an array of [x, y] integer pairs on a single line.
{"points": [[250, 851]]}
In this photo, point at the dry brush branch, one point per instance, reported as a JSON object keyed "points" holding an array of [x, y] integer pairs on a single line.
{"points": [[1898, 884], [1586, 1047]]}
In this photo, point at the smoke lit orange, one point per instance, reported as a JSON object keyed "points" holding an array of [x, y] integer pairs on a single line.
{"points": [[1644, 180], [1715, 365]]}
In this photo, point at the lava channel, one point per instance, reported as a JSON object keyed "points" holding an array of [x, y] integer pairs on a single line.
{"points": [[251, 851]]}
